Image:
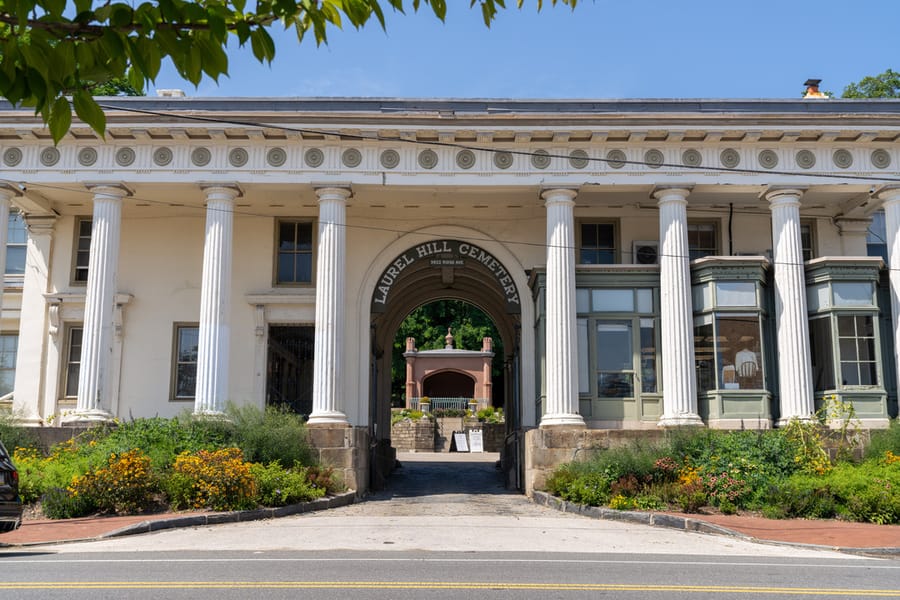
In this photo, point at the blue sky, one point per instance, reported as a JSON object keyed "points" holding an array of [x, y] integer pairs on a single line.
{"points": [[602, 49]]}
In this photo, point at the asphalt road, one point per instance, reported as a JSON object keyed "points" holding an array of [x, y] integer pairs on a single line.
{"points": [[382, 575]]}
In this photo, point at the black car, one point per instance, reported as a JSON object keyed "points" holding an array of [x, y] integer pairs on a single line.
{"points": [[10, 502]]}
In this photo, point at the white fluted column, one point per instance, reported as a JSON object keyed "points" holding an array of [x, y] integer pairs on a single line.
{"points": [[890, 195], [795, 389], [676, 311], [215, 292], [561, 370], [328, 366], [94, 395]]}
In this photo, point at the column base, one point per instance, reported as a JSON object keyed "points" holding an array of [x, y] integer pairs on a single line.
{"points": [[330, 418], [784, 421], [94, 415], [564, 420], [683, 420]]}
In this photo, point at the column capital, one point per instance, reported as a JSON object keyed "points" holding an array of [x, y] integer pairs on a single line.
{"points": [[848, 225], [558, 195], [9, 191], [333, 192], [221, 191], [887, 194], [110, 189], [40, 224], [666, 192], [779, 193]]}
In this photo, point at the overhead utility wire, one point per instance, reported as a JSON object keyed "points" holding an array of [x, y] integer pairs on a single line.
{"points": [[385, 229], [475, 148]]}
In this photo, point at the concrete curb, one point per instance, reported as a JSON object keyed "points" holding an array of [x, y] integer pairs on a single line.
{"points": [[684, 523], [236, 516]]}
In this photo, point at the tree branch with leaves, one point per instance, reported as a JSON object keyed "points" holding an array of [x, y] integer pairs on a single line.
{"points": [[52, 52]]}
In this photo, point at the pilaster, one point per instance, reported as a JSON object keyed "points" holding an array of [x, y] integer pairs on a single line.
{"points": [[95, 396], [328, 373], [676, 311], [561, 374], [215, 293], [795, 389], [890, 196], [33, 320]]}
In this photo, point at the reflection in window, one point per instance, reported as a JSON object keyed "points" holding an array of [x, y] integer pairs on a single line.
{"points": [[856, 345], [16, 244], [615, 359], [727, 352], [598, 244], [702, 240], [82, 249], [821, 353], [8, 349], [73, 361], [295, 249], [187, 341]]}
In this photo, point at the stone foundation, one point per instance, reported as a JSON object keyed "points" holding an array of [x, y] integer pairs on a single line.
{"points": [[413, 436], [435, 435], [546, 449], [346, 449]]}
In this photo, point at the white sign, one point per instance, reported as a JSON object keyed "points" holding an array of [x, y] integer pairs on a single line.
{"points": [[476, 440], [459, 438]]}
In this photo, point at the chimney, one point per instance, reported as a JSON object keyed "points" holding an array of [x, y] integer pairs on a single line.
{"points": [[812, 89]]}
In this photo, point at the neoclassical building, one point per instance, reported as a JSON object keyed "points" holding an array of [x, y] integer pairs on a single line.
{"points": [[719, 263]]}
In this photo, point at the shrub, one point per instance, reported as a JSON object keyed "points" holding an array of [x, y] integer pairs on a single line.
{"points": [[60, 503], [126, 485], [265, 436], [884, 440], [279, 486], [490, 415], [407, 414], [13, 435], [220, 480], [324, 478]]}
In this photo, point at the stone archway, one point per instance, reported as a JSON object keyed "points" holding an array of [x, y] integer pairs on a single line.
{"points": [[441, 269]]}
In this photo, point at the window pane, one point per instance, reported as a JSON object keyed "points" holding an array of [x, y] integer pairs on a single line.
{"points": [[704, 356], [583, 300], [614, 346], [806, 241], [849, 374], [615, 385], [186, 381], [876, 238], [738, 349], [304, 268], [188, 342], [84, 227], [8, 348], [701, 297], [735, 293], [645, 301], [868, 374], [821, 354], [589, 236], [648, 355], [584, 369], [848, 349], [598, 245], [15, 260], [613, 300], [846, 326], [286, 236], [286, 268], [73, 362], [304, 237], [701, 240], [852, 294]]}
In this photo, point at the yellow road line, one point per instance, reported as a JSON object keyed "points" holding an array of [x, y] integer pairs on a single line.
{"points": [[439, 585]]}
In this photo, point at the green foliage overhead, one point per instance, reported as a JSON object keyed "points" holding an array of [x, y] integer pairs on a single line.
{"points": [[53, 51], [885, 85]]}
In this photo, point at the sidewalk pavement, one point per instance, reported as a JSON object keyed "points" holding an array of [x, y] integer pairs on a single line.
{"points": [[852, 537]]}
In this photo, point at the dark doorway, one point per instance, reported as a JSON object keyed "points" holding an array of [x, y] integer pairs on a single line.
{"points": [[289, 372], [449, 385]]}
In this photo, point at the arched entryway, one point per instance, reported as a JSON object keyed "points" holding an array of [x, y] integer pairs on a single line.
{"points": [[448, 269]]}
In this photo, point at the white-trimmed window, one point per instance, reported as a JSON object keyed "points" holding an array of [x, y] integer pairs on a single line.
{"points": [[82, 249], [16, 244], [597, 244], [184, 361], [72, 367], [9, 343], [703, 239], [294, 253]]}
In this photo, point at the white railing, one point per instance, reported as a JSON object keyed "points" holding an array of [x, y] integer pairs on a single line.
{"points": [[446, 403]]}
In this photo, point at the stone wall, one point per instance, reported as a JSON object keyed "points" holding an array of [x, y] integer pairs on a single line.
{"points": [[346, 449], [436, 435], [413, 436], [546, 449]]}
